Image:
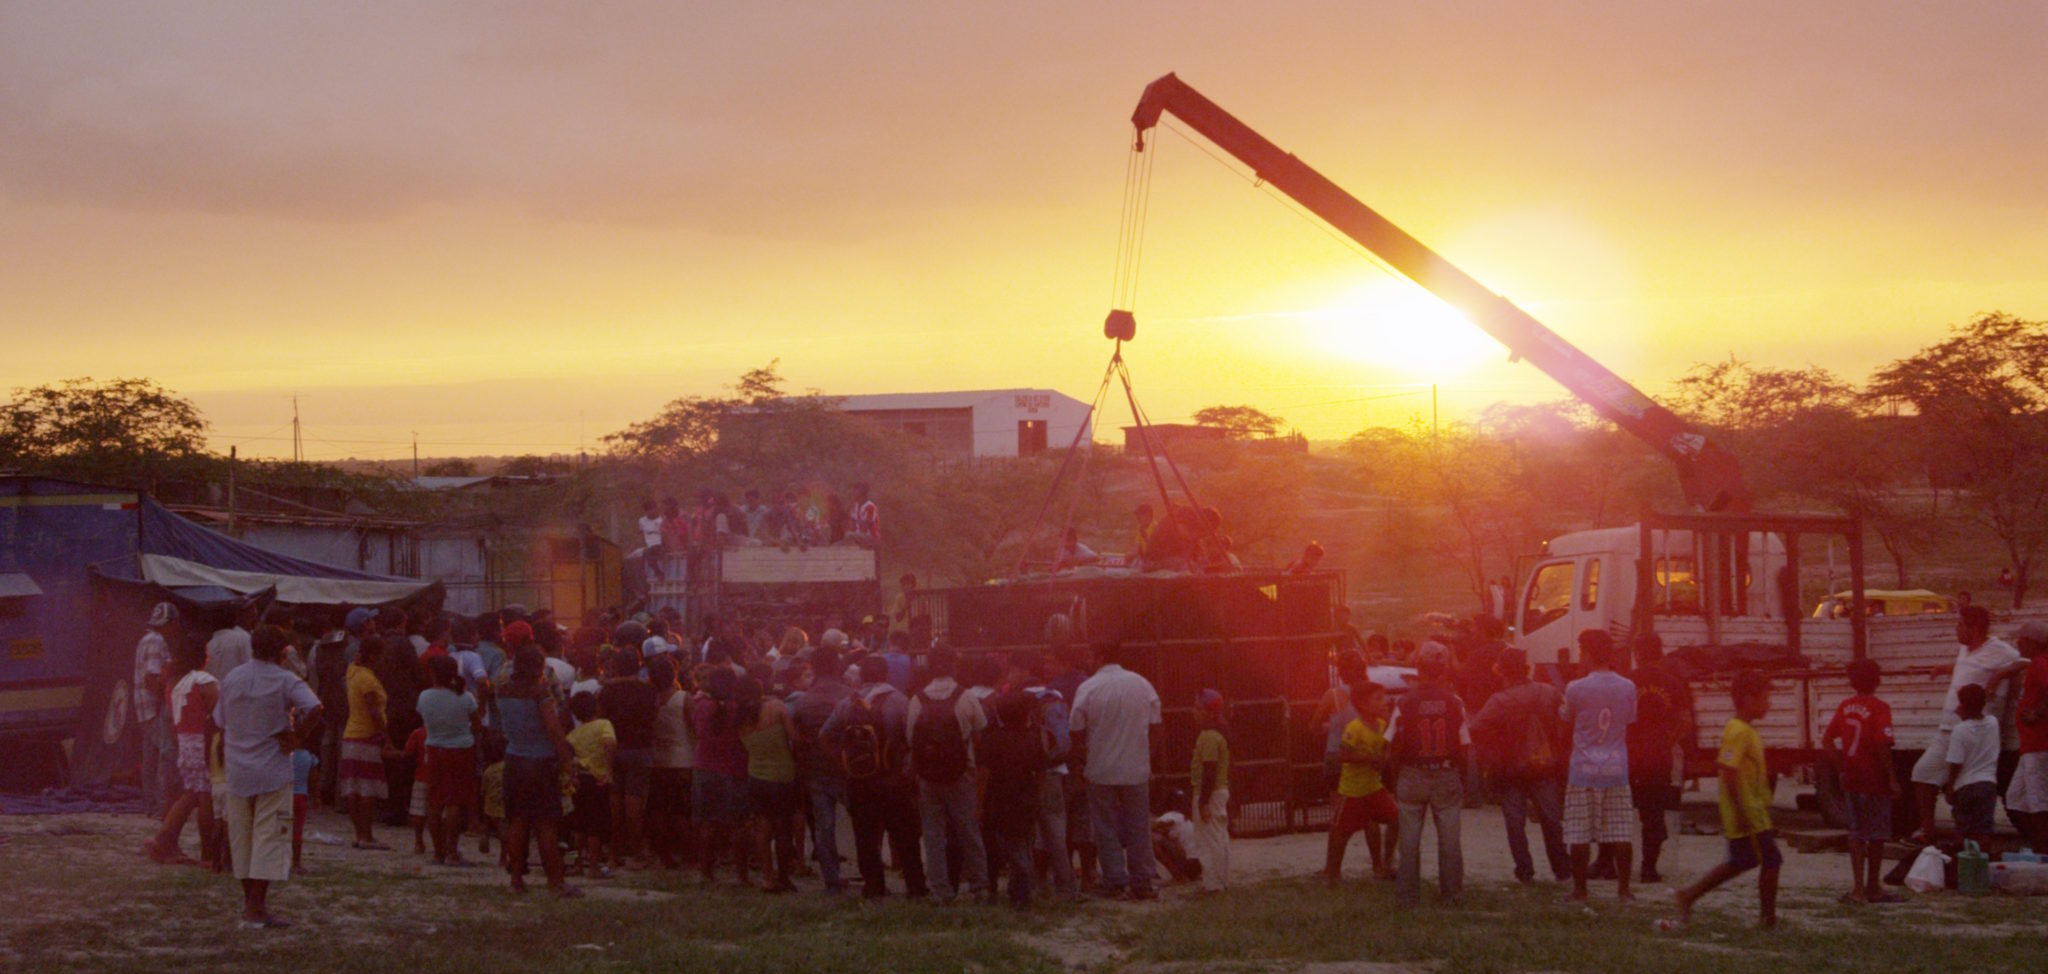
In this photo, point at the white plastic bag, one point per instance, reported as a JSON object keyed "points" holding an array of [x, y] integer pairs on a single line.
{"points": [[1927, 874]]}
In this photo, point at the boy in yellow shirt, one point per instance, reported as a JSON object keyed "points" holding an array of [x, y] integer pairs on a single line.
{"points": [[595, 742], [1745, 807], [1363, 802]]}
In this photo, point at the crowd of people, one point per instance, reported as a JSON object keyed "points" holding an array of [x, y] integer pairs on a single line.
{"points": [[790, 519], [623, 746], [1592, 753]]}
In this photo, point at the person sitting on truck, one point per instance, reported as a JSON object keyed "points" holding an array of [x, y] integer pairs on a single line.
{"points": [[1310, 557], [866, 529], [2026, 798], [1982, 660], [1074, 554], [1859, 744], [1599, 706], [1971, 782]]}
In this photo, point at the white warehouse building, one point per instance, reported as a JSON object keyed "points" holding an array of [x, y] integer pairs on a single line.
{"points": [[981, 423]]}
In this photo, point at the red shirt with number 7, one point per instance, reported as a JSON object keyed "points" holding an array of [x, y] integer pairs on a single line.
{"points": [[1864, 726]]}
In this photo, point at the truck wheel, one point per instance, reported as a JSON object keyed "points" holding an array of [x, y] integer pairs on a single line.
{"points": [[1833, 801]]}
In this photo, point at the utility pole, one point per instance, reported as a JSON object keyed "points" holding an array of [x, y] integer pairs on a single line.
{"points": [[298, 448], [415, 454], [231, 490]]}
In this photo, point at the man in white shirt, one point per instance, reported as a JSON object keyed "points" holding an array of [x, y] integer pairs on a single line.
{"points": [[1113, 713], [1980, 661], [155, 743], [229, 647], [264, 712]]}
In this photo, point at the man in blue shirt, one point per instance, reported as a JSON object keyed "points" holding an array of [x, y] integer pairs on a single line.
{"points": [[1599, 706]]}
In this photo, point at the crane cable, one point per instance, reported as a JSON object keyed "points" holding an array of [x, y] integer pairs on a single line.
{"points": [[1094, 409], [1130, 241]]}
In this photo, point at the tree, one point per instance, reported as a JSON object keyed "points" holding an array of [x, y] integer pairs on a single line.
{"points": [[121, 430], [531, 465], [1981, 396], [453, 467], [1239, 422], [1804, 434]]}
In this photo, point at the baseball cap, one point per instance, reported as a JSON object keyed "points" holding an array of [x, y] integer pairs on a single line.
{"points": [[357, 618], [1432, 652], [163, 615], [833, 638], [1211, 700]]}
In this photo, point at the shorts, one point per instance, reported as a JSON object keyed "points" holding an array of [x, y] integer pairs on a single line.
{"points": [[193, 774], [630, 772], [668, 792], [1602, 815], [260, 835], [451, 777], [416, 803], [2028, 792], [1652, 795], [718, 799], [1973, 805], [361, 771], [593, 812], [533, 788], [771, 799], [1355, 813], [1870, 817], [1752, 851], [1932, 768]]}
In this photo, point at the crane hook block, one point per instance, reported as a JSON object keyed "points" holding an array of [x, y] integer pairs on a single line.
{"points": [[1120, 325]]}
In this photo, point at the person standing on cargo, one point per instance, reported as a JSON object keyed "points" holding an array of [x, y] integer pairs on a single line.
{"points": [[1113, 715], [1600, 706], [1982, 660], [1430, 738]]}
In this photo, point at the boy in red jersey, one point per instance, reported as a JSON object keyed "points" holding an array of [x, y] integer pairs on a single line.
{"points": [[1859, 744]]}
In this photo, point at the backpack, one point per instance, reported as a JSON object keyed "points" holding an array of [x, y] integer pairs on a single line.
{"points": [[864, 750], [938, 751]]}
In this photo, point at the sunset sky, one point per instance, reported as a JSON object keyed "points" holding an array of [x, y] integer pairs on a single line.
{"points": [[514, 227]]}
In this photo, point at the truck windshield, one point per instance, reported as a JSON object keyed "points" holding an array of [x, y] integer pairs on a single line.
{"points": [[1550, 596]]}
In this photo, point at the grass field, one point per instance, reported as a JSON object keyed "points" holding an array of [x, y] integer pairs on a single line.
{"points": [[84, 901]]}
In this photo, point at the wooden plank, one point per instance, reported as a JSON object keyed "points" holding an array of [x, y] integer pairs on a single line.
{"points": [[765, 565]]}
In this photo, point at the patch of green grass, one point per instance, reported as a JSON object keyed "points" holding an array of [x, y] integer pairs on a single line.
{"points": [[1524, 930], [108, 913]]}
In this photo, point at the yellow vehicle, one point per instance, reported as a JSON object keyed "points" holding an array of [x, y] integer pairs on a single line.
{"points": [[1885, 602]]}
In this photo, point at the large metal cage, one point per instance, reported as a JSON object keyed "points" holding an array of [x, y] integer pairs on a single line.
{"points": [[1263, 639]]}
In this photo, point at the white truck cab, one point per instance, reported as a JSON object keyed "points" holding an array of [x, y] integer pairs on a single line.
{"points": [[1591, 580]]}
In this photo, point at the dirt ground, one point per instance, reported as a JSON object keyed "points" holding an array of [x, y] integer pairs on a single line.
{"points": [[72, 869]]}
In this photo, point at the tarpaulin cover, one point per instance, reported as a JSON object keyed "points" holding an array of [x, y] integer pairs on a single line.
{"points": [[102, 558]]}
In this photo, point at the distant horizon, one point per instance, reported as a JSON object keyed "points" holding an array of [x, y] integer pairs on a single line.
{"points": [[527, 228]]}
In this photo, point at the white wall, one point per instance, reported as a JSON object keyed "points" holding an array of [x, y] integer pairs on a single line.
{"points": [[996, 419]]}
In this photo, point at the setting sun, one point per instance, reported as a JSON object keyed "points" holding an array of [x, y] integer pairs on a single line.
{"points": [[1400, 326]]}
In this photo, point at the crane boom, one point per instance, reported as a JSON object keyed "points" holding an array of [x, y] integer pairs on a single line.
{"points": [[1707, 473]]}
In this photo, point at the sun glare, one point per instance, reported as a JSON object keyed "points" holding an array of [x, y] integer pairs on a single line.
{"points": [[1402, 327]]}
